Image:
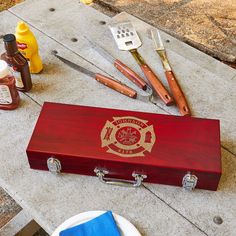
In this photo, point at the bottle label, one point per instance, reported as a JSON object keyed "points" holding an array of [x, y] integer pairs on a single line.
{"points": [[19, 83], [17, 75], [21, 46], [5, 95]]}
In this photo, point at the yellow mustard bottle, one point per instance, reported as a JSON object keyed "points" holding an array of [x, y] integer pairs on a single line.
{"points": [[28, 46]]}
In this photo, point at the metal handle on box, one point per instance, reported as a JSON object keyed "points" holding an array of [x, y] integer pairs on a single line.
{"points": [[138, 179]]}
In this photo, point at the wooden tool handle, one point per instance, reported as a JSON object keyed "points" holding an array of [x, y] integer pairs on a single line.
{"points": [[130, 74], [157, 85], [119, 87], [178, 94]]}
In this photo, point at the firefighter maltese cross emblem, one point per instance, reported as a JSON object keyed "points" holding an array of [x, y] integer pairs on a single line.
{"points": [[128, 136]]}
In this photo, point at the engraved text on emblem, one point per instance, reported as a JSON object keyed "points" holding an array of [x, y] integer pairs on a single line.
{"points": [[128, 136]]}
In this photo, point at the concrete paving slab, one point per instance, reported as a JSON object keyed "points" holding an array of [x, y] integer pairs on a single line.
{"points": [[204, 80], [153, 207], [52, 199]]}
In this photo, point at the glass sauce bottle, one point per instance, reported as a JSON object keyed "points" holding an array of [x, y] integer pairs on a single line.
{"points": [[18, 64], [9, 97]]}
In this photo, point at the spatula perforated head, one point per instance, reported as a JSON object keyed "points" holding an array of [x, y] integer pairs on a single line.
{"points": [[125, 36]]}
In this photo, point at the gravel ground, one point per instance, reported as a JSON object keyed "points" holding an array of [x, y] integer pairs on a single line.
{"points": [[8, 208], [5, 4]]}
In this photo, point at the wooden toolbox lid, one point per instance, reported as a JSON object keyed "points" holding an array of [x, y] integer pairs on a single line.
{"points": [[128, 136]]}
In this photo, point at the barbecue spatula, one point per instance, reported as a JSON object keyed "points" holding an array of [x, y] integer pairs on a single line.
{"points": [[127, 39]]}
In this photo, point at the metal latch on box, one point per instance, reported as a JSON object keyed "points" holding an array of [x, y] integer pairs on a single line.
{"points": [[189, 181], [54, 165]]}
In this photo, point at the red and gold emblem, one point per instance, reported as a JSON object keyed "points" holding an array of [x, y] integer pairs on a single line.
{"points": [[128, 136]]}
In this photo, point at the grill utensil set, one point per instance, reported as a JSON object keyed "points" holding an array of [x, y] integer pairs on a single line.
{"points": [[127, 39]]}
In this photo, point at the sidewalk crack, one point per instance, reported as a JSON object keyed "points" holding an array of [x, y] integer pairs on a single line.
{"points": [[179, 213]]}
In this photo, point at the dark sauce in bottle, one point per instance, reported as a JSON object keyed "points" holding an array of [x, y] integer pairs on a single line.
{"points": [[17, 63]]}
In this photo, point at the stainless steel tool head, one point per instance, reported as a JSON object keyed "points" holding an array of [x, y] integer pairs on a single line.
{"points": [[154, 34], [101, 51], [157, 41], [125, 35], [75, 66]]}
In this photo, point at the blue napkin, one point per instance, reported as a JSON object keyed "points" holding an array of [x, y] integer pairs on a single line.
{"points": [[103, 225]]}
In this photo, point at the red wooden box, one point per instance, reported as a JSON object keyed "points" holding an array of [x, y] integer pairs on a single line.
{"points": [[126, 145]]}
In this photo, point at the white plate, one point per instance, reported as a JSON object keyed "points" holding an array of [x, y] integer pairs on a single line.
{"points": [[126, 228]]}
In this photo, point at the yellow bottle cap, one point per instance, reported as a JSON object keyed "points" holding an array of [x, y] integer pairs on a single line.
{"points": [[21, 28], [87, 2]]}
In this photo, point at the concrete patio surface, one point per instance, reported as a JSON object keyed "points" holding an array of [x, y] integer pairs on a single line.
{"points": [[200, 70]]}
